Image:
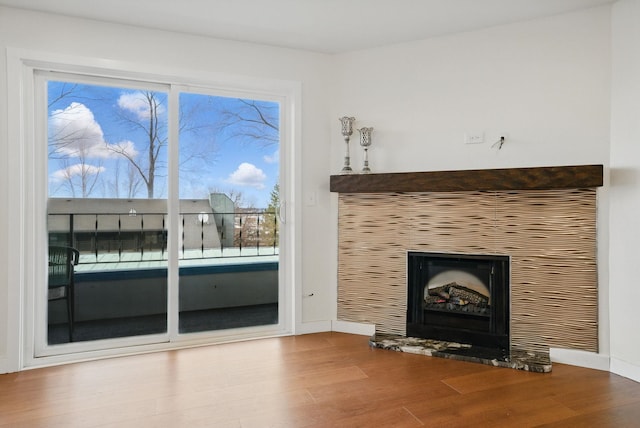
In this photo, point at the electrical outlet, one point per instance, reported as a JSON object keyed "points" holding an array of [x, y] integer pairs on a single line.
{"points": [[474, 138]]}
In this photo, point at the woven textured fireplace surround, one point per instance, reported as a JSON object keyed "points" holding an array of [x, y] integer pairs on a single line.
{"points": [[543, 220]]}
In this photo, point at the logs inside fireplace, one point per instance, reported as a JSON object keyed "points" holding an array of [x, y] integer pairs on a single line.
{"points": [[460, 298]]}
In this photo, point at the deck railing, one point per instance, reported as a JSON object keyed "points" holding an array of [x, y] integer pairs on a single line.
{"points": [[143, 236]]}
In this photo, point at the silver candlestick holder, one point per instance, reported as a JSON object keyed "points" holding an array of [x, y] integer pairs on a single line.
{"points": [[365, 142], [347, 131]]}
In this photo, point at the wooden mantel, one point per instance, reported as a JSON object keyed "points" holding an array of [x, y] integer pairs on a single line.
{"points": [[554, 177]]}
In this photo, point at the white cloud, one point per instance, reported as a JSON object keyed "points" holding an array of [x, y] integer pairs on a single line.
{"points": [[76, 133], [138, 104], [248, 175], [125, 147], [75, 130], [274, 158], [76, 170]]}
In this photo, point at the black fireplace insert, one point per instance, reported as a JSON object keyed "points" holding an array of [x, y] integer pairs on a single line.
{"points": [[459, 298]]}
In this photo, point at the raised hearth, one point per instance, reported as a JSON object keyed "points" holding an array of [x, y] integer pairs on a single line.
{"points": [[520, 360]]}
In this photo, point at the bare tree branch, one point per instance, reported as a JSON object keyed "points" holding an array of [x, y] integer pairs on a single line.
{"points": [[251, 121], [152, 129]]}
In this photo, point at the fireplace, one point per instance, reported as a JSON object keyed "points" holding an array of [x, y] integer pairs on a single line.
{"points": [[543, 218], [459, 298]]}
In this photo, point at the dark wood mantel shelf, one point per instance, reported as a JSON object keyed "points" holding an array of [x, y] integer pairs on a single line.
{"points": [[554, 177]]}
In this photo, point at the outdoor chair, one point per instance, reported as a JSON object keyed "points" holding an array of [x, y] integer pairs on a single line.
{"points": [[61, 266]]}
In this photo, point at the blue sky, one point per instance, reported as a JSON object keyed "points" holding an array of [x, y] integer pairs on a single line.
{"points": [[98, 139]]}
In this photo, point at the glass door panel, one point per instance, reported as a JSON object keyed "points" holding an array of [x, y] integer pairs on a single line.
{"points": [[106, 211], [229, 195]]}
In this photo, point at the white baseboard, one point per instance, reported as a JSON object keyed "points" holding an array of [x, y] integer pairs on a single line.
{"points": [[574, 357], [625, 369], [353, 327], [313, 327]]}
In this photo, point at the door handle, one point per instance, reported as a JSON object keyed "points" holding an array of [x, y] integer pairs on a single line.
{"points": [[282, 212]]}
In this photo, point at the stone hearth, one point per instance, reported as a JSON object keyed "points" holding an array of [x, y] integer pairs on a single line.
{"points": [[520, 360]]}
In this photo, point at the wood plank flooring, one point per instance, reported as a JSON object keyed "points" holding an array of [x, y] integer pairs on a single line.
{"points": [[316, 380]]}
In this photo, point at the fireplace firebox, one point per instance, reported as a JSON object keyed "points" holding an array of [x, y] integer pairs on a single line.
{"points": [[459, 298]]}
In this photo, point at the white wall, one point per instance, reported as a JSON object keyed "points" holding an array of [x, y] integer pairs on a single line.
{"points": [[545, 83], [625, 190], [156, 49]]}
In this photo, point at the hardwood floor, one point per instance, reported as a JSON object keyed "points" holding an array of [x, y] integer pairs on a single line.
{"points": [[317, 380]]}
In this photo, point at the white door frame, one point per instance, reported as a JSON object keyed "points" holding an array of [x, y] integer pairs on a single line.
{"points": [[28, 196]]}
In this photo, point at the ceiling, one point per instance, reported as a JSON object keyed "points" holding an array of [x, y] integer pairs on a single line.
{"points": [[328, 26]]}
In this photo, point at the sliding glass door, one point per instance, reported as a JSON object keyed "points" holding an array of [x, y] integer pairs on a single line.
{"points": [[163, 214]]}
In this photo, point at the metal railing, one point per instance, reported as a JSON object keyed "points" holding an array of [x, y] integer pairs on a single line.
{"points": [[143, 236]]}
